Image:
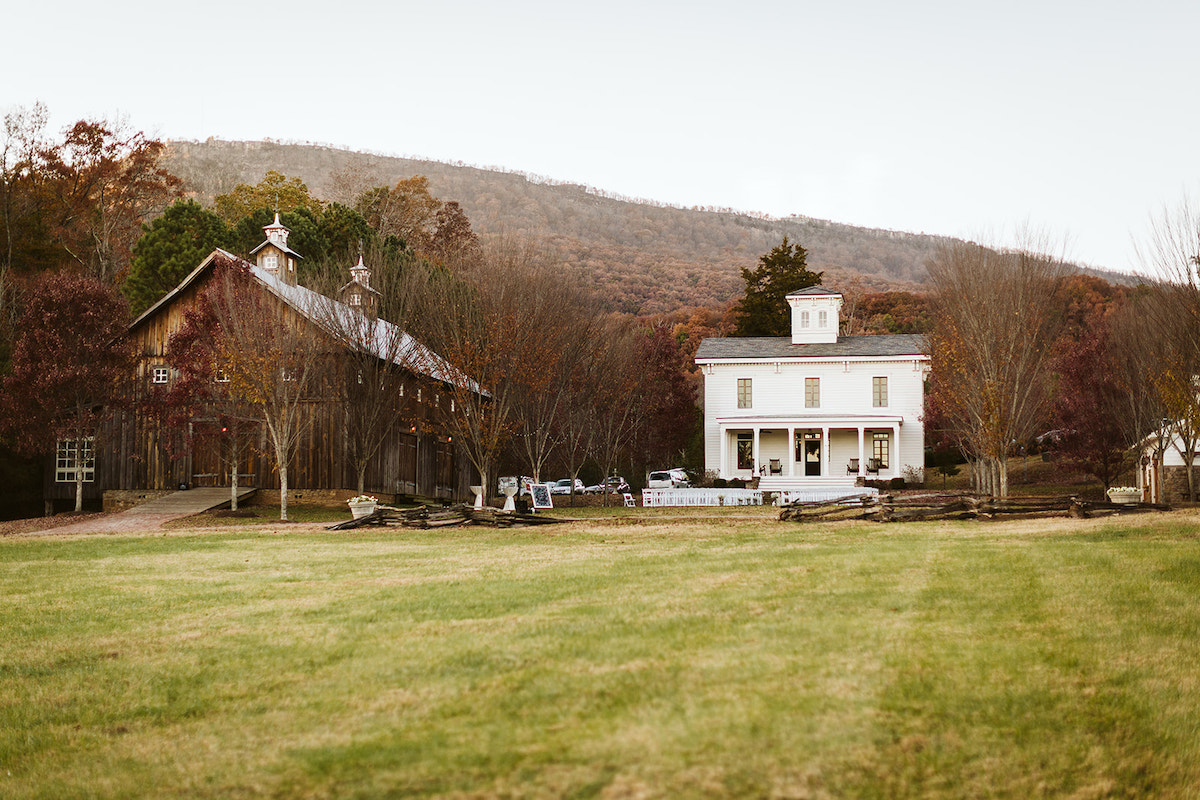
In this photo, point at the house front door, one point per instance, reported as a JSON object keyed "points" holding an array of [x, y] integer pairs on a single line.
{"points": [[812, 455]]}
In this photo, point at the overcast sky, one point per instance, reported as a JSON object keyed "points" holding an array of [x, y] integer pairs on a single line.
{"points": [[1078, 120]]}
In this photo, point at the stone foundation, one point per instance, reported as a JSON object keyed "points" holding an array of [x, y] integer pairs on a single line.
{"points": [[312, 497], [1175, 486], [124, 499]]}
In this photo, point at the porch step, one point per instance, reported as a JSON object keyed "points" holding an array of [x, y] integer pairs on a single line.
{"points": [[779, 483]]}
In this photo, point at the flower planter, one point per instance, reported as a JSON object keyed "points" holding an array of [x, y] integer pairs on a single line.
{"points": [[363, 509], [1124, 497]]}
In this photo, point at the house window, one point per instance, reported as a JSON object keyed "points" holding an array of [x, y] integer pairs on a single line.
{"points": [[812, 392], [879, 394], [803, 319], [879, 449], [745, 451], [745, 393], [271, 262], [823, 319], [159, 374], [65, 463]]}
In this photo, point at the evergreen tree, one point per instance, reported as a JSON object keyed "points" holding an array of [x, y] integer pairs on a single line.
{"points": [[764, 310], [170, 248]]}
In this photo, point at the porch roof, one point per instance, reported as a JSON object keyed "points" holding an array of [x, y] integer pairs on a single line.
{"points": [[810, 421]]}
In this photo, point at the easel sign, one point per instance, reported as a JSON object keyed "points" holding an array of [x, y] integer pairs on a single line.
{"points": [[540, 493]]}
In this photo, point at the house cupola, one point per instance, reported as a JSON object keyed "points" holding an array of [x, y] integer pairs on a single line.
{"points": [[274, 256], [816, 315]]}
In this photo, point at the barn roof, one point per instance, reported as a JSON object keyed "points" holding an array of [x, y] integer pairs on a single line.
{"points": [[347, 325]]}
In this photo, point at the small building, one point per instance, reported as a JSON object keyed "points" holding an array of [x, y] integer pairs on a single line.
{"points": [[1161, 472], [814, 409]]}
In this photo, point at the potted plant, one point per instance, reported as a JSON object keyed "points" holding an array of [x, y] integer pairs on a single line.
{"points": [[362, 506], [1124, 494]]}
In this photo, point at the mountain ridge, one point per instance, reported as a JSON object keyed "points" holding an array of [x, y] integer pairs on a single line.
{"points": [[640, 256]]}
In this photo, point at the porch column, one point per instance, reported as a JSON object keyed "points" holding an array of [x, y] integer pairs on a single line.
{"points": [[791, 447], [862, 452], [896, 462], [826, 452], [757, 457], [723, 463]]}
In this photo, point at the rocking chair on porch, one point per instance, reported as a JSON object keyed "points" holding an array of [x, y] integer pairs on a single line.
{"points": [[852, 467], [776, 467]]}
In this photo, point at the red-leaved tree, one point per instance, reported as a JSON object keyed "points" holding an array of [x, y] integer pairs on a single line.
{"points": [[71, 368]]}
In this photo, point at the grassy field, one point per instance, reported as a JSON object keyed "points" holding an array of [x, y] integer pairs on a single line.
{"points": [[677, 657]]}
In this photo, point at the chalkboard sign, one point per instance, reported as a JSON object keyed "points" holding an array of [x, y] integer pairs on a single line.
{"points": [[541, 496]]}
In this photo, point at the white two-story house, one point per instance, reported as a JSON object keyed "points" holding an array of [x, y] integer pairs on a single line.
{"points": [[814, 409]]}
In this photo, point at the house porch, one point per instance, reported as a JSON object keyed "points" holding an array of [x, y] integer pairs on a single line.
{"points": [[803, 451]]}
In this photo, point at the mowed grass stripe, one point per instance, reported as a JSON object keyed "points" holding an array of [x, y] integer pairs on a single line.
{"points": [[682, 659]]}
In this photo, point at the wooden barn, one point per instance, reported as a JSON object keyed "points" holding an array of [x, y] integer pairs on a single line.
{"points": [[138, 451]]}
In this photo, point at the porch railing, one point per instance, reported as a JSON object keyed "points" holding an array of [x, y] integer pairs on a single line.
{"points": [[660, 498]]}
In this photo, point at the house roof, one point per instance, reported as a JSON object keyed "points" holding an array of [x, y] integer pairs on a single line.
{"points": [[348, 325], [814, 290], [741, 348]]}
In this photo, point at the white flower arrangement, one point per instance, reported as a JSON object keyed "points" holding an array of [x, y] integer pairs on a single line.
{"points": [[362, 498], [1118, 489]]}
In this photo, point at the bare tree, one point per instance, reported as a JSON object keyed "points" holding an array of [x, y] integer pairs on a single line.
{"points": [[487, 324], [1172, 252], [990, 351], [272, 356]]}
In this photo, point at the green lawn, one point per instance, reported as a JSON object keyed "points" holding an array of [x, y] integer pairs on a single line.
{"points": [[679, 658]]}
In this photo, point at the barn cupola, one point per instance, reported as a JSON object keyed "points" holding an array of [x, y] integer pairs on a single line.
{"points": [[358, 293], [816, 315], [274, 256]]}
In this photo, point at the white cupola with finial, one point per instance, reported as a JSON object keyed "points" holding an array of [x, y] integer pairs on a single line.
{"points": [[274, 256], [358, 293], [816, 315]]}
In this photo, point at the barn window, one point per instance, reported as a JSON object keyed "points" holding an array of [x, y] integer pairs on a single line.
{"points": [[65, 463], [159, 374]]}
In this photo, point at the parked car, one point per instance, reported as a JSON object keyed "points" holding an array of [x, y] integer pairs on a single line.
{"points": [[613, 484], [563, 486], [675, 478]]}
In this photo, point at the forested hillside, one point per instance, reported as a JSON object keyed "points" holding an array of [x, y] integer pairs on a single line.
{"points": [[646, 257]]}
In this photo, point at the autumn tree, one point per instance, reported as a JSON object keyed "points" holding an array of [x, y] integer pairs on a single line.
{"points": [[201, 404], [764, 310], [487, 324], [275, 192], [71, 367], [406, 211], [453, 241], [1089, 404], [169, 249], [669, 416], [109, 182], [270, 355], [990, 350]]}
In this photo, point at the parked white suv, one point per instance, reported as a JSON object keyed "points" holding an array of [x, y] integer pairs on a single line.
{"points": [[668, 479]]}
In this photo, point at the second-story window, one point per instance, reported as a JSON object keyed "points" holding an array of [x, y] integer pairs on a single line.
{"points": [[812, 392], [159, 374], [879, 392], [745, 393], [822, 319], [803, 319]]}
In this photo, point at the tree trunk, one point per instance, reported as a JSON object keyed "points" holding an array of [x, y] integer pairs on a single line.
{"points": [[233, 474], [78, 474], [362, 478]]}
